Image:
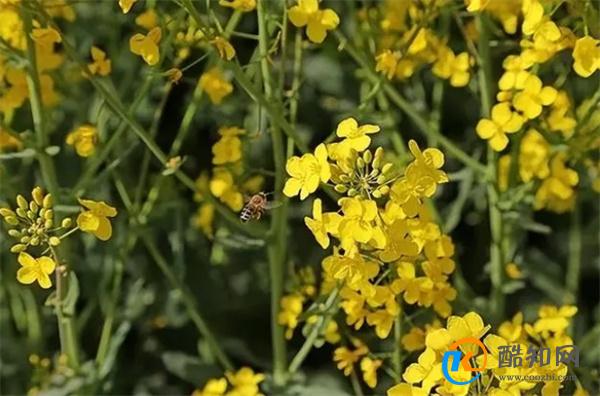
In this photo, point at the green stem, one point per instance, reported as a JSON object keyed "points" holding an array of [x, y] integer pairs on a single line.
{"points": [[574, 263], [189, 303], [354, 381], [397, 355], [495, 215], [278, 231]]}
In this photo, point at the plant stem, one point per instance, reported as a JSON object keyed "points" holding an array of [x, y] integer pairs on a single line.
{"points": [[278, 231], [397, 355], [574, 263], [496, 227]]}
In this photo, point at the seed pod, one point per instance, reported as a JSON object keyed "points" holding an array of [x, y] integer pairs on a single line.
{"points": [[340, 188], [25, 239], [5, 212], [352, 192], [33, 207], [38, 195], [66, 222], [367, 156], [22, 213], [35, 240], [49, 215], [22, 202], [386, 167], [15, 233], [48, 201], [12, 220], [18, 248], [54, 241], [48, 224]]}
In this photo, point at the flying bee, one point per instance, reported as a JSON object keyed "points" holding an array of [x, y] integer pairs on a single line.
{"points": [[256, 206]]}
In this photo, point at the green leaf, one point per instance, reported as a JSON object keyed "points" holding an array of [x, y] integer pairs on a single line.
{"points": [[72, 295], [189, 368]]}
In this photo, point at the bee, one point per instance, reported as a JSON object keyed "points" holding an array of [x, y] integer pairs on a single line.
{"points": [[255, 207]]}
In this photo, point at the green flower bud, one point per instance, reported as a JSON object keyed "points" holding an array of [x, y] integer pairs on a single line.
{"points": [[15, 233], [49, 215], [48, 224], [376, 194], [374, 172], [48, 201], [54, 241], [344, 178], [367, 156], [25, 239], [384, 189], [6, 212], [38, 195], [340, 188], [66, 223], [18, 248], [386, 167], [352, 192], [360, 163], [33, 207], [22, 202], [30, 214], [35, 240], [381, 179], [22, 213], [12, 220]]}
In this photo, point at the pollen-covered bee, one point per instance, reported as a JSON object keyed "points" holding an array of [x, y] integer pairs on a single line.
{"points": [[255, 207]]}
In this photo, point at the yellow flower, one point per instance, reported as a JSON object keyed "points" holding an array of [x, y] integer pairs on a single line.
{"points": [[240, 5], [147, 45], [427, 370], [533, 156], [317, 22], [100, 64], [95, 219], [213, 387], [533, 13], [9, 141], [332, 334], [356, 136], [453, 67], [554, 319], [126, 5], [586, 55], [322, 224], [148, 19], [414, 288], [556, 192], [291, 308], [512, 330], [359, 223], [224, 47], [387, 61], [513, 271], [346, 357], [245, 382], [223, 187], [229, 148], [46, 37], [404, 389], [530, 100], [369, 369], [84, 139], [476, 5], [204, 219], [503, 121], [215, 85], [33, 269], [515, 73], [307, 172]]}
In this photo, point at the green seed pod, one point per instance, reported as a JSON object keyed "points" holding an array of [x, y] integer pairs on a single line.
{"points": [[340, 188], [381, 179], [6, 212], [66, 223], [49, 215], [22, 213], [352, 192], [15, 233], [48, 224], [18, 248], [38, 195], [48, 201], [54, 241], [33, 207], [12, 220], [35, 240], [25, 239], [367, 156], [386, 167], [22, 202]]}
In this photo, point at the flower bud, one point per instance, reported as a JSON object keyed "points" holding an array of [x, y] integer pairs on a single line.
{"points": [[66, 222], [381, 179], [360, 163], [38, 195], [35, 240], [48, 223], [340, 188], [14, 233], [22, 202], [33, 207], [48, 201], [376, 194], [386, 167], [25, 239], [54, 241], [344, 178], [49, 215], [352, 192], [374, 172], [384, 189], [367, 156], [12, 220], [5, 212], [30, 215], [18, 248], [22, 213]]}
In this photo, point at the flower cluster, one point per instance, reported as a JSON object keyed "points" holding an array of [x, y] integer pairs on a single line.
{"points": [[388, 251], [243, 383], [499, 377]]}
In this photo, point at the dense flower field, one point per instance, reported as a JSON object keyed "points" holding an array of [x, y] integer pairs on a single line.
{"points": [[300, 197]]}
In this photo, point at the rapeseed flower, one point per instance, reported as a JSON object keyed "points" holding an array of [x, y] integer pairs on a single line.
{"points": [[322, 224], [95, 219], [126, 5], [215, 85], [224, 48], [356, 137], [229, 148], [307, 172], [317, 22], [369, 368], [533, 96], [100, 64], [223, 187], [33, 270], [147, 45], [502, 121], [84, 139], [244, 382], [148, 19], [556, 192], [346, 357], [213, 387], [240, 5], [586, 56]]}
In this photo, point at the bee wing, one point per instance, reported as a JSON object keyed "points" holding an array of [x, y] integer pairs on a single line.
{"points": [[273, 205]]}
